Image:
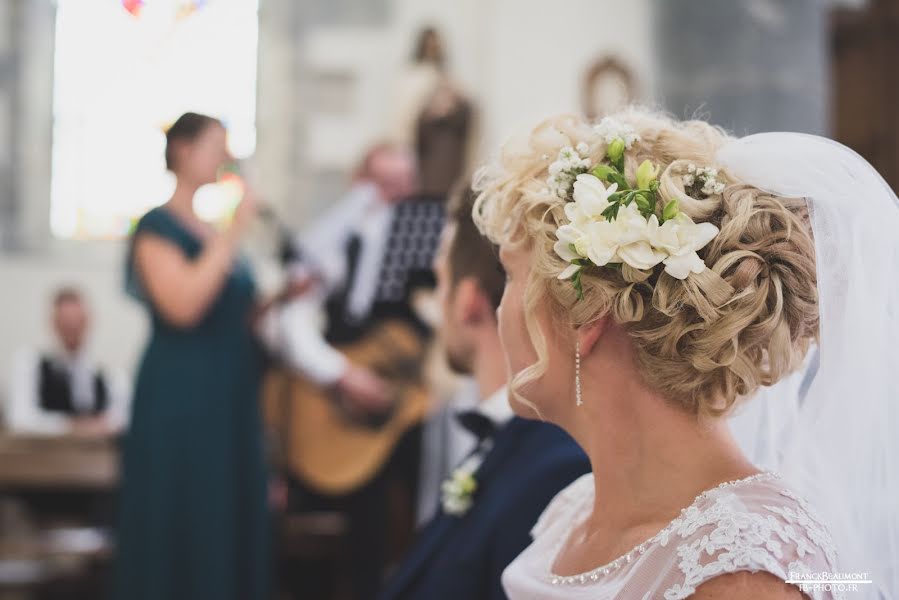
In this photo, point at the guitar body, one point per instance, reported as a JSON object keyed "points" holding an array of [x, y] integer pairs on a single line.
{"points": [[328, 446]]}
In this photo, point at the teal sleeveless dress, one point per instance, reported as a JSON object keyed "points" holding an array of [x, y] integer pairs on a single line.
{"points": [[193, 520]]}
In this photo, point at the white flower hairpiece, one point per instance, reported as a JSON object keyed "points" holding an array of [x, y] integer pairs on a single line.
{"points": [[610, 129], [619, 224], [630, 238], [563, 171]]}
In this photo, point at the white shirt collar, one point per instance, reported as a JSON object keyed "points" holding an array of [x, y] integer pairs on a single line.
{"points": [[79, 358], [496, 407]]}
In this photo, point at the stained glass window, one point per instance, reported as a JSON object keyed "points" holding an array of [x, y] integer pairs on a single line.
{"points": [[124, 71]]}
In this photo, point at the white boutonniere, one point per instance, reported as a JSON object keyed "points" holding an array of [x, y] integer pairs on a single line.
{"points": [[458, 491]]}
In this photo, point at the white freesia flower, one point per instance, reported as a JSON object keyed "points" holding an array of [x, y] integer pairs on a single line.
{"points": [[586, 234], [576, 215], [634, 247], [568, 235], [603, 237], [681, 266], [664, 237], [610, 129], [582, 246], [591, 196], [680, 238], [641, 255], [631, 238], [631, 225]]}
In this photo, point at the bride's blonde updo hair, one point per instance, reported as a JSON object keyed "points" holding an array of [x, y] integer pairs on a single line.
{"points": [[703, 342]]}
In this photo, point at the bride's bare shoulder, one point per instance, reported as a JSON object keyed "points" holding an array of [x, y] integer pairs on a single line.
{"points": [[747, 586]]}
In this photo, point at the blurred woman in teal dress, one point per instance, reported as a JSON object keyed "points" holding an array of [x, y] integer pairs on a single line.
{"points": [[193, 518]]}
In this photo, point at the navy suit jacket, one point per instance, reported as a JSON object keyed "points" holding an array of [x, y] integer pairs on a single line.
{"points": [[463, 557]]}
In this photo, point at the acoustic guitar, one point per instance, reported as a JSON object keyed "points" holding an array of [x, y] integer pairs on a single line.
{"points": [[328, 444]]}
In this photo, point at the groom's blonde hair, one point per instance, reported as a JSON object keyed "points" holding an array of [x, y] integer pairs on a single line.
{"points": [[704, 342]]}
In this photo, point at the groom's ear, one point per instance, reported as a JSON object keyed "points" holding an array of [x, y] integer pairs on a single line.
{"points": [[589, 333]]}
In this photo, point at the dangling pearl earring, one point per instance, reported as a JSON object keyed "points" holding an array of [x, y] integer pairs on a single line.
{"points": [[577, 374]]}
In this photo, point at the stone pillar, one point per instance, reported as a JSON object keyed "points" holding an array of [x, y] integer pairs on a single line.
{"points": [[26, 121], [757, 65], [8, 71], [33, 119]]}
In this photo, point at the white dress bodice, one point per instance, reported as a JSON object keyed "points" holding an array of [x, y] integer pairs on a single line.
{"points": [[752, 524]]}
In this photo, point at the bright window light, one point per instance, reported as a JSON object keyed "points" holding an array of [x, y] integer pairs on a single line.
{"points": [[124, 71]]}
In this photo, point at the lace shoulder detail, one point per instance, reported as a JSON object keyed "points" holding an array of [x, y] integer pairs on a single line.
{"points": [[566, 504], [763, 528]]}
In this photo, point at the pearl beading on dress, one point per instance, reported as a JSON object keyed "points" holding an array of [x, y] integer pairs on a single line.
{"points": [[595, 574]]}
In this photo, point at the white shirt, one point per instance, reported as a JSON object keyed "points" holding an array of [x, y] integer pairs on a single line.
{"points": [[297, 329], [361, 212], [24, 413], [497, 408], [373, 229]]}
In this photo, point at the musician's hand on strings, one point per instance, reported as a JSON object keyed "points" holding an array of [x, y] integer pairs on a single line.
{"points": [[365, 390]]}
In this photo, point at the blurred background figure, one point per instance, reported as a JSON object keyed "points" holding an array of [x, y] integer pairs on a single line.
{"points": [[416, 85], [344, 253], [433, 116], [63, 415], [62, 389], [193, 518], [351, 431]]}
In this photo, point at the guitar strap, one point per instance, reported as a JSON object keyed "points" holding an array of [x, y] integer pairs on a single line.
{"points": [[342, 327]]}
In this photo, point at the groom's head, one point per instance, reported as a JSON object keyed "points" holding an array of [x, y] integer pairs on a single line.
{"points": [[470, 282]]}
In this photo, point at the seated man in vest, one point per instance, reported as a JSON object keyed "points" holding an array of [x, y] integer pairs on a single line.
{"points": [[62, 390]]}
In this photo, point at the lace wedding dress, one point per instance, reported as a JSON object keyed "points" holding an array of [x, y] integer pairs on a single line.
{"points": [[753, 524]]}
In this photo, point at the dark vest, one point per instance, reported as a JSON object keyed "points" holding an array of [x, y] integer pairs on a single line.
{"points": [[55, 391]]}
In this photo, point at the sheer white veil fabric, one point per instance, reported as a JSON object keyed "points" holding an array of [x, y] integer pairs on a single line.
{"points": [[831, 429]]}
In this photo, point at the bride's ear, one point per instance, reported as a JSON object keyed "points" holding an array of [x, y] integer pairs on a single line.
{"points": [[589, 334]]}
